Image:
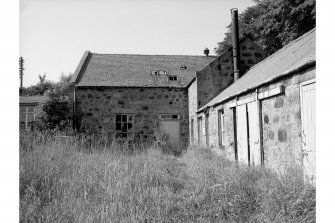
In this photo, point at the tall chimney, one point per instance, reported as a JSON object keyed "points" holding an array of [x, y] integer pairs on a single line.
{"points": [[21, 61], [236, 45]]}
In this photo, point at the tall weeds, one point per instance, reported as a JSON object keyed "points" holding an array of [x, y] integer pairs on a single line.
{"points": [[86, 179]]}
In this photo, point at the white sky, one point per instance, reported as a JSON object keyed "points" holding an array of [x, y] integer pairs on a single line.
{"points": [[55, 33]]}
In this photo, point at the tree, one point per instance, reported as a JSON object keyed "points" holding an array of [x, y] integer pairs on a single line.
{"points": [[274, 23], [40, 88], [55, 112]]}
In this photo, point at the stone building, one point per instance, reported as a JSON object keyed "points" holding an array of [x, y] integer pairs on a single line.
{"points": [[28, 108], [136, 96], [267, 117]]}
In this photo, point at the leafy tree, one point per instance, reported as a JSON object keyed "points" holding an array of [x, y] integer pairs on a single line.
{"points": [[40, 88], [274, 23], [56, 112]]}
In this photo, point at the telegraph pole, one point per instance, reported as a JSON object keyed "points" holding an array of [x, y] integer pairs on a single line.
{"points": [[21, 62]]}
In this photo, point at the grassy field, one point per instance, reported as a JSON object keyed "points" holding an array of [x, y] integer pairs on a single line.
{"points": [[89, 180]]}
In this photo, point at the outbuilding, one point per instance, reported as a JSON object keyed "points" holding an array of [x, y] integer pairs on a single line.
{"points": [[267, 117]]}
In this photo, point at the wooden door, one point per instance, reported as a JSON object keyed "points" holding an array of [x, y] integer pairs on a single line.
{"points": [[254, 133], [242, 133], [207, 129], [308, 127], [171, 129]]}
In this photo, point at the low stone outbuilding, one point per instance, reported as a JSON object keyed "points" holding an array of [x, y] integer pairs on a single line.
{"points": [[28, 108], [137, 96], [267, 117]]}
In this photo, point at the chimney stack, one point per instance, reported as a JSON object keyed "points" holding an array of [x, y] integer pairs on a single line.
{"points": [[206, 51], [236, 44], [21, 61]]}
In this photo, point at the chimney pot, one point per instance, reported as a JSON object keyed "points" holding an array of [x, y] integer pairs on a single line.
{"points": [[206, 51]]}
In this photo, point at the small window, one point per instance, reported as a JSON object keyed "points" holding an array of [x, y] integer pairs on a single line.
{"points": [[221, 128], [168, 116], [172, 78], [124, 125], [219, 66], [183, 67]]}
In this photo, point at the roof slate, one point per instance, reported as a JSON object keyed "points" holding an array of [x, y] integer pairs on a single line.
{"points": [[291, 57], [127, 70]]}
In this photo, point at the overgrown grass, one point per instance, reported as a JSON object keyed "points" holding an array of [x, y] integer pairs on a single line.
{"points": [[88, 180]]}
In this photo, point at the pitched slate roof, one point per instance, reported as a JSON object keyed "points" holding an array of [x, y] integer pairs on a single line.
{"points": [[290, 58], [127, 70], [33, 99]]}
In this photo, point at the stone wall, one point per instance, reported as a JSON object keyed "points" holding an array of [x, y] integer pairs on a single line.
{"points": [[97, 108], [281, 121], [192, 108], [218, 75]]}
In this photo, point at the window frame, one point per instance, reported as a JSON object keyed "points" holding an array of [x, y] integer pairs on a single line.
{"points": [[129, 134]]}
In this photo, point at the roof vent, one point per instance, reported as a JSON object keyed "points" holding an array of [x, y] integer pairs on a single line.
{"points": [[183, 67], [172, 78], [161, 72], [206, 51]]}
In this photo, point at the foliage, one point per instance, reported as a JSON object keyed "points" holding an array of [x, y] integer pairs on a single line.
{"points": [[274, 23], [61, 182], [56, 112]]}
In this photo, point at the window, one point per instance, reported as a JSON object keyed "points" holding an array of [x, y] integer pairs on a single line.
{"points": [[172, 78], [161, 72], [221, 128], [199, 130], [168, 116], [158, 72], [124, 125], [27, 114]]}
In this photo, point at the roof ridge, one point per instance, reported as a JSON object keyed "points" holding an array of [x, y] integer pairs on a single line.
{"points": [[125, 54]]}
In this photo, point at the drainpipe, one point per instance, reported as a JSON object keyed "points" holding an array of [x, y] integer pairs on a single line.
{"points": [[236, 45]]}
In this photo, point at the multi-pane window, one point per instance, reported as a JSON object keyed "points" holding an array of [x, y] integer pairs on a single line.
{"points": [[27, 114], [124, 125], [168, 116], [221, 128]]}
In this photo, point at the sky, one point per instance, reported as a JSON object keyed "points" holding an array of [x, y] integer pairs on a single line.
{"points": [[54, 34]]}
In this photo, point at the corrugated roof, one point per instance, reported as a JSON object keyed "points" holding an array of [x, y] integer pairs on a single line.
{"points": [[291, 57], [33, 99], [129, 70]]}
